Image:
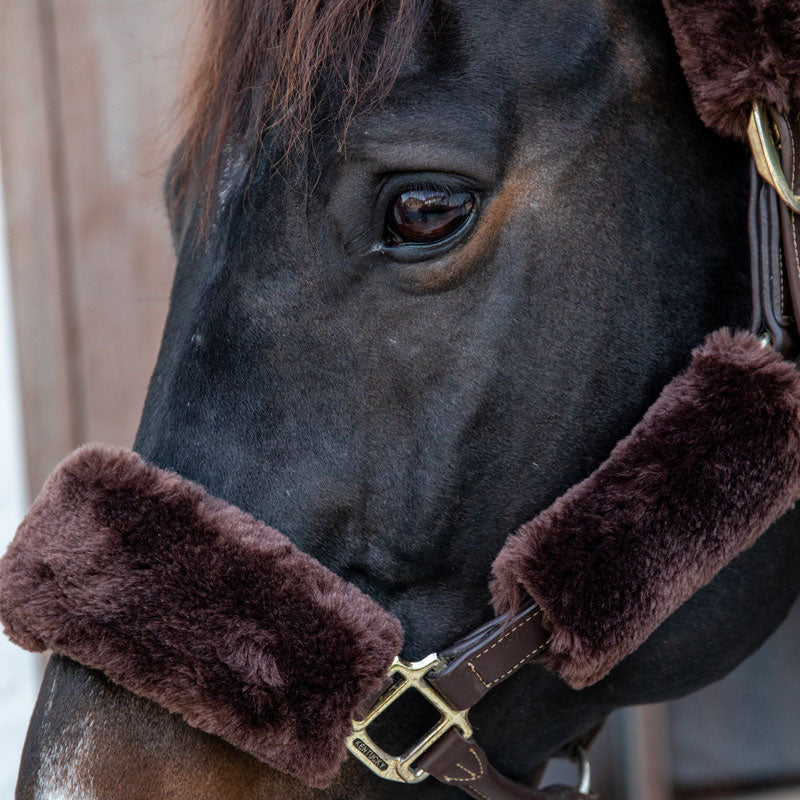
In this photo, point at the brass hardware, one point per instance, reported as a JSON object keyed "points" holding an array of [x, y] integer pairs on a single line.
{"points": [[767, 155], [400, 768]]}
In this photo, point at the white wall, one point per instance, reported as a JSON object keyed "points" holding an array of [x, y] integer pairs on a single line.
{"points": [[19, 671]]}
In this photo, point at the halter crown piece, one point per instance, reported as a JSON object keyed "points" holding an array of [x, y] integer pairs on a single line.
{"points": [[189, 601]]}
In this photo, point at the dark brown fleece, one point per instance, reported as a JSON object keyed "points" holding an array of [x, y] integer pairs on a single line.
{"points": [[190, 602], [737, 51], [712, 464]]}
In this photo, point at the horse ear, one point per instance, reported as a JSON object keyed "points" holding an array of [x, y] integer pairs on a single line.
{"points": [[734, 52], [712, 464]]}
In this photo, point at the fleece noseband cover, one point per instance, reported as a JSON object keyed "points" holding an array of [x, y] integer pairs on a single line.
{"points": [[190, 602], [194, 604]]}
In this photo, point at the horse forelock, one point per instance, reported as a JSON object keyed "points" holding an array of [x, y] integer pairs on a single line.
{"points": [[266, 65]]}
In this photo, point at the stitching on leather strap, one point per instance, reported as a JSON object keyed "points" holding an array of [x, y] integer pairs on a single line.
{"points": [[791, 213], [782, 281], [488, 685], [473, 776], [525, 621]]}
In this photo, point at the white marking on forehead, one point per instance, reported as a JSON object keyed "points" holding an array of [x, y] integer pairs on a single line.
{"points": [[65, 771]]}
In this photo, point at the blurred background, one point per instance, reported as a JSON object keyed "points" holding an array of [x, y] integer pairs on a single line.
{"points": [[88, 118]]}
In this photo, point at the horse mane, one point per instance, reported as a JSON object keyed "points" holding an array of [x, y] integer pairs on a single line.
{"points": [[263, 65]]}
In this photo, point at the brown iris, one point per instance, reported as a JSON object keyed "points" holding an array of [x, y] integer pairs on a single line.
{"points": [[426, 216]]}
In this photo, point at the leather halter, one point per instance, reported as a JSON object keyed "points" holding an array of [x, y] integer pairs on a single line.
{"points": [[456, 679], [774, 229], [460, 676], [453, 682], [774, 225]]}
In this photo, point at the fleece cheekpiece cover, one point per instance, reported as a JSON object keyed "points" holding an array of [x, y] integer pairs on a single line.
{"points": [[191, 602], [713, 463]]}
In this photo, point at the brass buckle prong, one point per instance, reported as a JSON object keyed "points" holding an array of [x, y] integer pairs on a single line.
{"points": [[767, 155], [411, 675]]}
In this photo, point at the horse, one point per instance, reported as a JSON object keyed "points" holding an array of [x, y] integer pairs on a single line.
{"points": [[434, 258]]}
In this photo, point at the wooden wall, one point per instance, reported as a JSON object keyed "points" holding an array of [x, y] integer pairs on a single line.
{"points": [[87, 92], [87, 101]]}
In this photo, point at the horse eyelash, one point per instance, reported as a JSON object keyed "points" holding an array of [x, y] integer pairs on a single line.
{"points": [[428, 186]]}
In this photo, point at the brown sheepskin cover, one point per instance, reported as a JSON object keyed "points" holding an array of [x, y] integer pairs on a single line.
{"points": [[712, 464], [736, 51], [190, 602]]}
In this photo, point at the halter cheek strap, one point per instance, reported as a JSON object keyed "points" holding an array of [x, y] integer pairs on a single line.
{"points": [[741, 59]]}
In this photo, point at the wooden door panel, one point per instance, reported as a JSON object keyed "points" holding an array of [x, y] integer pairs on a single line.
{"points": [[88, 90]]}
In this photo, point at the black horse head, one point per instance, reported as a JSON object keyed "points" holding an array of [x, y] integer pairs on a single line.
{"points": [[400, 336]]}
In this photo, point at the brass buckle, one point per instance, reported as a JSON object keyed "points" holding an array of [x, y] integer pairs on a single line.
{"points": [[767, 156], [400, 768]]}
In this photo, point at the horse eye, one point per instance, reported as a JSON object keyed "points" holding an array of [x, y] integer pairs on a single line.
{"points": [[426, 216]]}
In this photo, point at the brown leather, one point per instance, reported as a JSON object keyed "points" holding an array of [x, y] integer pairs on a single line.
{"points": [[789, 136], [770, 296], [463, 764], [488, 656], [474, 665], [774, 252]]}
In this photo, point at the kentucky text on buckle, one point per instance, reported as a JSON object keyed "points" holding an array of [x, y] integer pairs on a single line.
{"points": [[411, 675]]}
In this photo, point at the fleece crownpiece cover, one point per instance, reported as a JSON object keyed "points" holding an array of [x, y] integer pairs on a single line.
{"points": [[736, 51], [189, 601]]}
